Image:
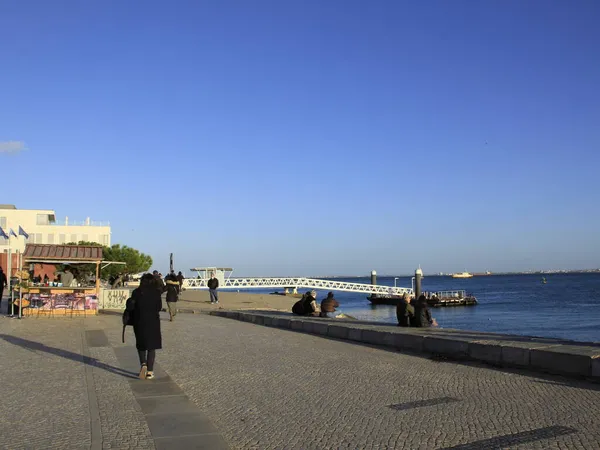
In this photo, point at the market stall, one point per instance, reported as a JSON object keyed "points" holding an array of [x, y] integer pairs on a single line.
{"points": [[67, 295]]}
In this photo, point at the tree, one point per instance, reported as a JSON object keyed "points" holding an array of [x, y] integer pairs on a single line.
{"points": [[134, 259]]}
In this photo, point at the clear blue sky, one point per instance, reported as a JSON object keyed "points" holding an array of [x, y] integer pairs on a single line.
{"points": [[311, 137]]}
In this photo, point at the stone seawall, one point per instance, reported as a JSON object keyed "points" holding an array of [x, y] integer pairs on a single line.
{"points": [[575, 359]]}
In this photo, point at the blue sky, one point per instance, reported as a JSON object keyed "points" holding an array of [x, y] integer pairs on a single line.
{"points": [[311, 137]]}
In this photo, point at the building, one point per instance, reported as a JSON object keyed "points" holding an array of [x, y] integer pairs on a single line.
{"points": [[43, 228]]}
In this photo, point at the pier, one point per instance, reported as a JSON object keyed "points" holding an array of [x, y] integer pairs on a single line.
{"points": [[290, 284]]}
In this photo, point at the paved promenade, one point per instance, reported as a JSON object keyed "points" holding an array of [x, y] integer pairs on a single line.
{"points": [[69, 383]]}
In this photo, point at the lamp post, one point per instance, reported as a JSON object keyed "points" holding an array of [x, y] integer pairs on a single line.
{"points": [[395, 278]]}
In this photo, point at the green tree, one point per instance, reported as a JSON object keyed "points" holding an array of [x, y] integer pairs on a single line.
{"points": [[134, 260]]}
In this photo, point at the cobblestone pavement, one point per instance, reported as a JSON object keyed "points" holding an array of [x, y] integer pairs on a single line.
{"points": [[268, 388]]}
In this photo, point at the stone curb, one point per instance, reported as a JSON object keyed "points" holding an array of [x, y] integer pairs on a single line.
{"points": [[552, 356]]}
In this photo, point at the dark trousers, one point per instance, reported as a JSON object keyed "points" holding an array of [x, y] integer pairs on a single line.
{"points": [[147, 357], [214, 297]]}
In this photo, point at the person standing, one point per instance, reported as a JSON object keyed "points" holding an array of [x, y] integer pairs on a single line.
{"points": [[160, 284], [172, 294], [3, 283], [213, 285], [146, 324], [180, 278]]}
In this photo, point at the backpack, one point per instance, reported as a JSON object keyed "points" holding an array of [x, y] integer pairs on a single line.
{"points": [[128, 314]]}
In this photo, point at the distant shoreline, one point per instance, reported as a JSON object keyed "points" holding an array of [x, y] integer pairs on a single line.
{"points": [[541, 272]]}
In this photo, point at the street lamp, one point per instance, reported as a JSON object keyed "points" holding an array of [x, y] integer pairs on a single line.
{"points": [[395, 278]]}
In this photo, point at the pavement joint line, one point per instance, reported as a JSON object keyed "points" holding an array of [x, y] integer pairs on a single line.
{"points": [[95, 423]]}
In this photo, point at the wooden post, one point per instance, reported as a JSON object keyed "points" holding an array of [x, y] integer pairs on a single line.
{"points": [[98, 279]]}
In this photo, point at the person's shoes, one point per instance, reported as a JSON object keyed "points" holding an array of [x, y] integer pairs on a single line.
{"points": [[143, 372], [150, 376], [170, 317]]}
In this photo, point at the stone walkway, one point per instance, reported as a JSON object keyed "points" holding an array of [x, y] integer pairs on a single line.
{"points": [[70, 383]]}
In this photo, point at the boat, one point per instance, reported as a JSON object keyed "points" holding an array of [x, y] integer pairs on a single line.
{"points": [[462, 275], [434, 299], [544, 280]]}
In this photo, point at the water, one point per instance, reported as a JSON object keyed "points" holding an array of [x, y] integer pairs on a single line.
{"points": [[567, 307]]}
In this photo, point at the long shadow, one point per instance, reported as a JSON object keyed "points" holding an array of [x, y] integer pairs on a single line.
{"points": [[36, 346]]}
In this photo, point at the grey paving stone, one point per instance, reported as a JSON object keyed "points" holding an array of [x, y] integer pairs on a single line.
{"points": [[96, 338], [146, 388], [202, 442], [167, 405], [179, 424]]}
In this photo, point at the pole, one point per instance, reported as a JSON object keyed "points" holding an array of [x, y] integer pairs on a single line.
{"points": [[20, 263], [418, 276], [395, 278], [373, 277], [171, 263], [10, 286]]}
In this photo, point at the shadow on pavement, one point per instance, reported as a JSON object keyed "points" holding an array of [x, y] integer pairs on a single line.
{"points": [[36, 346]]}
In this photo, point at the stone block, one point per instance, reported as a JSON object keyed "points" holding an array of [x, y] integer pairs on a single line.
{"points": [[307, 326], [455, 348], [564, 359], [282, 322], [486, 351], [297, 325], [408, 341], [258, 320], [232, 314], [268, 321], [596, 367], [514, 355], [355, 334], [377, 337], [337, 331], [321, 328]]}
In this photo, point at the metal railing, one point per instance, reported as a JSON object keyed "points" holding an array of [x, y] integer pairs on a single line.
{"points": [[80, 223], [306, 283]]}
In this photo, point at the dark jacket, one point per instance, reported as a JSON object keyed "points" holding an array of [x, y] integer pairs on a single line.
{"points": [[172, 288], [160, 284], [405, 314], [422, 316], [329, 304], [146, 321], [213, 283], [304, 307], [3, 281], [180, 278]]}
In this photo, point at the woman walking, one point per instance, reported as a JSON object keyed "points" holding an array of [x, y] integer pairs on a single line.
{"points": [[146, 323]]}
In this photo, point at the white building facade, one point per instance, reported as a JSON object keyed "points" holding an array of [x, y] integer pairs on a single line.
{"points": [[43, 228]]}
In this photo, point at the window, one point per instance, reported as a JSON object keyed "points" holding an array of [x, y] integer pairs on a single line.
{"points": [[3, 222], [105, 240], [62, 238], [50, 239], [38, 238], [73, 238], [42, 219], [84, 237]]}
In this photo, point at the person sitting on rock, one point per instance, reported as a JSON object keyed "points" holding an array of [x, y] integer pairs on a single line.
{"points": [[405, 312], [328, 306], [307, 305], [422, 317]]}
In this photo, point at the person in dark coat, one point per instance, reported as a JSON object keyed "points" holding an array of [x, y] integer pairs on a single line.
{"points": [[405, 312], [307, 305], [172, 294], [180, 278], [160, 284], [3, 283], [146, 323], [328, 306], [422, 317]]}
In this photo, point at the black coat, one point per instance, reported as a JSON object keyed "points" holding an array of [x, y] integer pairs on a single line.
{"points": [[422, 317], [146, 320]]}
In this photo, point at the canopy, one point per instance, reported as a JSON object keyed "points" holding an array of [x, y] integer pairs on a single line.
{"points": [[62, 254]]}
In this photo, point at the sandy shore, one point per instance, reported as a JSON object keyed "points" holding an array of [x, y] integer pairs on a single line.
{"points": [[200, 299]]}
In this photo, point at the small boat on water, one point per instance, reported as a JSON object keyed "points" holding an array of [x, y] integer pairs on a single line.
{"points": [[462, 275], [434, 299], [544, 280]]}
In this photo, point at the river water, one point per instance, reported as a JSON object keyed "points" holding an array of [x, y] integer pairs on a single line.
{"points": [[567, 306]]}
